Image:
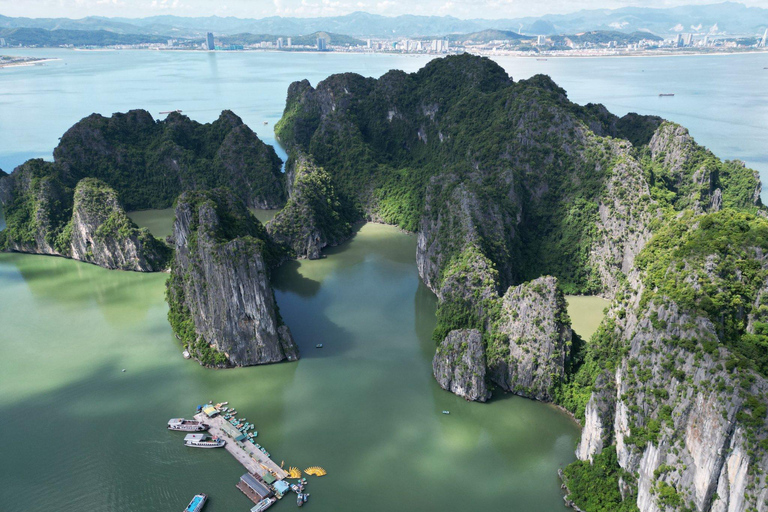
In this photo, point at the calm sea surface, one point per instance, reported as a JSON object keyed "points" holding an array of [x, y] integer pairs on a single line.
{"points": [[722, 99], [82, 435]]}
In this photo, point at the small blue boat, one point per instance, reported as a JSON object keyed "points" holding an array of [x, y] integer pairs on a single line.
{"points": [[197, 503]]}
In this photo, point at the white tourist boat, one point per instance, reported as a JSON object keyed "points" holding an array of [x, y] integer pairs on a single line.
{"points": [[263, 505], [186, 425], [203, 441]]}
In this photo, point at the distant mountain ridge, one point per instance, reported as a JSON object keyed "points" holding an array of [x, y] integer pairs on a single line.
{"points": [[729, 17]]}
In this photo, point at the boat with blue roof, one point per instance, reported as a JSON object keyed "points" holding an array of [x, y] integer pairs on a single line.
{"points": [[197, 503]]}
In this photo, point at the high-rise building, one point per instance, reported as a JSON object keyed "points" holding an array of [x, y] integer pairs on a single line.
{"points": [[688, 40], [540, 40], [321, 44], [279, 43], [764, 41], [368, 43], [2, 41], [209, 41], [289, 42]]}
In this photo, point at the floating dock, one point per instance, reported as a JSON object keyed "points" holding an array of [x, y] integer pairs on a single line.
{"points": [[252, 459]]}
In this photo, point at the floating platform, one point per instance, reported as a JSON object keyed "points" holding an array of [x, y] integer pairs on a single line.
{"points": [[253, 460]]}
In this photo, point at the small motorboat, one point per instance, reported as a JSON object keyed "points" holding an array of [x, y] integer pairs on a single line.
{"points": [[197, 503], [446, 412], [319, 345], [266, 122]]}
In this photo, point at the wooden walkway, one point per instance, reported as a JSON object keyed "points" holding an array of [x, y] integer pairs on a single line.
{"points": [[245, 452]]}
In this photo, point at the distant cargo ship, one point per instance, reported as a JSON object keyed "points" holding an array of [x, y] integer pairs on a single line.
{"points": [[203, 441], [197, 503], [666, 94], [186, 425]]}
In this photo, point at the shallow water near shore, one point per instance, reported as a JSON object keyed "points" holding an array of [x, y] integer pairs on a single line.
{"points": [[87, 436]]}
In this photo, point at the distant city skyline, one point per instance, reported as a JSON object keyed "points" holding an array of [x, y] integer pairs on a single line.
{"points": [[467, 9]]}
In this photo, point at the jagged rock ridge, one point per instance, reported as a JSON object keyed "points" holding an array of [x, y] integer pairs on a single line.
{"points": [[45, 216], [222, 306], [310, 220], [151, 162], [529, 341], [682, 398], [506, 181]]}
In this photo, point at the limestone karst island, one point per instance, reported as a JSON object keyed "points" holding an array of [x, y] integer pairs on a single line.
{"points": [[439, 276]]}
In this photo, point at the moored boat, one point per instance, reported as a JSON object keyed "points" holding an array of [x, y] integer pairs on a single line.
{"points": [[186, 425], [203, 441], [263, 505], [197, 503]]}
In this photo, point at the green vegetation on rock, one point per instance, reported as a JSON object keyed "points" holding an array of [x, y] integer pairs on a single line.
{"points": [[221, 303], [151, 162], [39, 209], [594, 486], [508, 181], [314, 216], [48, 212], [711, 265]]}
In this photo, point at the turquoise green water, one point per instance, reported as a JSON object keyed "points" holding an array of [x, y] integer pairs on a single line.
{"points": [[82, 435], [586, 313]]}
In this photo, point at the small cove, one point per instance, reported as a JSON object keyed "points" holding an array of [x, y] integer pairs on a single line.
{"points": [[365, 406]]}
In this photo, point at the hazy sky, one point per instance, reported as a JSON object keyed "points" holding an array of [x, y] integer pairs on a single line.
{"points": [[306, 8]]}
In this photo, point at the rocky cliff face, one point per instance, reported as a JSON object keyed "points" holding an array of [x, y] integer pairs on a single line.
{"points": [[221, 301], [531, 339], [685, 407], [701, 181], [313, 217], [507, 181], [623, 223], [37, 204], [151, 162], [459, 365], [45, 216], [101, 233]]}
